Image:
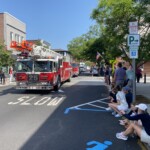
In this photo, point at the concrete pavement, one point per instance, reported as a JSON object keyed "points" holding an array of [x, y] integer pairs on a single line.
{"points": [[144, 90], [141, 88]]}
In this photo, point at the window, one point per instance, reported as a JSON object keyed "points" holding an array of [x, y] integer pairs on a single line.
{"points": [[22, 38], [11, 36], [42, 66], [24, 66], [16, 37], [19, 38]]}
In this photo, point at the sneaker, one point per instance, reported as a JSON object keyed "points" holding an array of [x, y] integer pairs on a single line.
{"points": [[117, 115], [108, 109], [121, 122], [121, 136], [113, 113]]}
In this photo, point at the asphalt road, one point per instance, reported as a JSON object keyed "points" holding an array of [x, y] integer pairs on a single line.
{"points": [[72, 119]]}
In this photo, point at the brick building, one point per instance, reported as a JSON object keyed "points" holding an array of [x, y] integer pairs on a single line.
{"points": [[11, 29]]}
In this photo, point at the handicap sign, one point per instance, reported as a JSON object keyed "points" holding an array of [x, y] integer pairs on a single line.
{"points": [[97, 145], [133, 53]]}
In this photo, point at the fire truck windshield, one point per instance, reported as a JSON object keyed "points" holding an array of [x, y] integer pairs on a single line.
{"points": [[24, 66], [42, 66], [74, 65]]}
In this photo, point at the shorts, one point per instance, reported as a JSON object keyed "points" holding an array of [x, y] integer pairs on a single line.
{"points": [[145, 137], [121, 107], [120, 83]]}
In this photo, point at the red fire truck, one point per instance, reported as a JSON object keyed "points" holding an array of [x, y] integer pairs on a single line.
{"points": [[39, 68], [75, 69]]}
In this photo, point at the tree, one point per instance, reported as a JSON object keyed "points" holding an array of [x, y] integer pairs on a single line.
{"points": [[113, 16], [5, 56], [78, 46]]}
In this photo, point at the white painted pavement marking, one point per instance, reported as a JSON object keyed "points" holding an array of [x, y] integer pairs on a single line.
{"points": [[49, 101], [42, 101]]}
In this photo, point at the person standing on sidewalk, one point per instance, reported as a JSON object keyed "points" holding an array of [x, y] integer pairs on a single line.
{"points": [[138, 74], [10, 74], [1, 76], [120, 75], [107, 75]]}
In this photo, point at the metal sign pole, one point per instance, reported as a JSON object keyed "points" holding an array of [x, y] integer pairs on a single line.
{"points": [[133, 43], [134, 79]]}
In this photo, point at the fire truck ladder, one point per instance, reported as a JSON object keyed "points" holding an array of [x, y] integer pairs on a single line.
{"points": [[94, 106], [35, 50]]}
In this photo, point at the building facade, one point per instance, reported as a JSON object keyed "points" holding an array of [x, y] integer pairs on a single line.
{"points": [[11, 29]]}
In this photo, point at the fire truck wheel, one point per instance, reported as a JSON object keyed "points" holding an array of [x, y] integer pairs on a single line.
{"points": [[57, 86]]}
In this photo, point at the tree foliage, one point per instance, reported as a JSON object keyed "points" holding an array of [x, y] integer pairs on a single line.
{"points": [[114, 16], [5, 57], [109, 36], [79, 45]]}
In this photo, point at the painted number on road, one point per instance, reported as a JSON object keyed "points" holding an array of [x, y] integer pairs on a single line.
{"points": [[49, 101]]}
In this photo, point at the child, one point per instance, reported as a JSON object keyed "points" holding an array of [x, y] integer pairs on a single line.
{"points": [[121, 104]]}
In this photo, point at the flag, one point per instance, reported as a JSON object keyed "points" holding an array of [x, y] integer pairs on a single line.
{"points": [[98, 55]]}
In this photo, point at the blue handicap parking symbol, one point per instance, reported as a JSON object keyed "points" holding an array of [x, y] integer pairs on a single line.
{"points": [[98, 146]]}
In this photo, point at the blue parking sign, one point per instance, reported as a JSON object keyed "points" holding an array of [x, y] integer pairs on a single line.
{"points": [[133, 53]]}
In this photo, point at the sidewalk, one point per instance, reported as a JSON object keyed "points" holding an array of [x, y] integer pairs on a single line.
{"points": [[7, 83], [144, 89]]}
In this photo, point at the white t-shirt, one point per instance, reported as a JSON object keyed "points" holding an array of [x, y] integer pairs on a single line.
{"points": [[120, 96]]}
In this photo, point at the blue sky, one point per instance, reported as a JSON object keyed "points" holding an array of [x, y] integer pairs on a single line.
{"points": [[55, 21]]}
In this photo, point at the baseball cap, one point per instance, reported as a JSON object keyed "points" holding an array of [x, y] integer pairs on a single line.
{"points": [[126, 88], [141, 106]]}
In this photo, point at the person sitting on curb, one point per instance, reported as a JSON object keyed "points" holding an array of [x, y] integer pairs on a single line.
{"points": [[121, 104], [129, 95], [142, 132], [112, 96], [126, 122]]}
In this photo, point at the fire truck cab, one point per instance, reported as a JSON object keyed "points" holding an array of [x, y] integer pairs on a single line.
{"points": [[40, 69]]}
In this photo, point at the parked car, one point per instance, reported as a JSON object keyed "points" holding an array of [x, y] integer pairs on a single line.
{"points": [[94, 72]]}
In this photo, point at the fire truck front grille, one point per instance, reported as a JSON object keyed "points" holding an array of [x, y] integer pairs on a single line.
{"points": [[33, 77]]}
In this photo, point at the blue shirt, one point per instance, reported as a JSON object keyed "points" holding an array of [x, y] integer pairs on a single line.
{"points": [[120, 74]]}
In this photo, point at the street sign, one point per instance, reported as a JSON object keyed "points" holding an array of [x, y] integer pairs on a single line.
{"points": [[133, 27], [133, 53], [133, 40]]}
